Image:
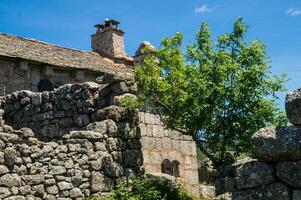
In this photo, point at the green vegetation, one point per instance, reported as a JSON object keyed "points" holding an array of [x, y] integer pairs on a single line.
{"points": [[131, 102], [142, 188], [220, 93]]}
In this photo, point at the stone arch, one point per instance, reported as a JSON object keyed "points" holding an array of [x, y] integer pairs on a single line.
{"points": [[175, 168], [166, 167], [45, 85]]}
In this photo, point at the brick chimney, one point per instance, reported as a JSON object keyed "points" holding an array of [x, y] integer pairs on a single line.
{"points": [[108, 39]]}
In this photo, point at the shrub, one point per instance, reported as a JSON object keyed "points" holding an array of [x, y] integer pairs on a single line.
{"points": [[143, 188]]}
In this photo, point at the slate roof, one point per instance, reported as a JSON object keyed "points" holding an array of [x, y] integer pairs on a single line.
{"points": [[42, 52]]}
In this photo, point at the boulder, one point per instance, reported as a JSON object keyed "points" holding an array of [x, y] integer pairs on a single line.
{"points": [[247, 173], [276, 144], [275, 191], [290, 173], [293, 107]]}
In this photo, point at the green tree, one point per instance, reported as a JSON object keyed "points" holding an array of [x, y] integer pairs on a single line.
{"points": [[220, 93]]}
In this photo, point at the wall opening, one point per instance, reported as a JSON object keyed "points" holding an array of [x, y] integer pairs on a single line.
{"points": [[175, 168], [166, 167], [45, 85]]}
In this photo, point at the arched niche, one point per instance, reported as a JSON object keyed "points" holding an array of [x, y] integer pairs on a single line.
{"points": [[175, 168], [166, 167]]}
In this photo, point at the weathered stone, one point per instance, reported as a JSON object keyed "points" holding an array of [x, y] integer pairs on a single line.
{"points": [[207, 192], [52, 189], [76, 193], [24, 190], [4, 192], [110, 78], [293, 107], [275, 144], [248, 173], [275, 191], [27, 132], [64, 185], [33, 179], [115, 113], [86, 135], [10, 156], [17, 197], [10, 180], [8, 137], [226, 196], [100, 183], [3, 169], [56, 170], [290, 173], [38, 190], [120, 87]]}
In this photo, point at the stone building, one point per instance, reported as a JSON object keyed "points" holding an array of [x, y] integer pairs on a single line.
{"points": [[27, 64], [67, 98]]}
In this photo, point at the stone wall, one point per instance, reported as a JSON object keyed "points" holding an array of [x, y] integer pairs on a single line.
{"points": [[159, 144], [70, 107], [80, 146], [276, 172], [76, 141]]}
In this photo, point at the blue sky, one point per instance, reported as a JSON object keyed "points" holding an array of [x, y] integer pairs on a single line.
{"points": [[70, 23]]}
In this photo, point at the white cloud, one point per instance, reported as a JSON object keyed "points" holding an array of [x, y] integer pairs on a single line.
{"points": [[203, 9], [293, 11]]}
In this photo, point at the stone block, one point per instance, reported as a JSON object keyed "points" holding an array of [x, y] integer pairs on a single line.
{"points": [[149, 130], [149, 118], [175, 144], [158, 131]]}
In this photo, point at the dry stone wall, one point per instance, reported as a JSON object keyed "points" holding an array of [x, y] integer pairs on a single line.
{"points": [[276, 171], [81, 143], [76, 141]]}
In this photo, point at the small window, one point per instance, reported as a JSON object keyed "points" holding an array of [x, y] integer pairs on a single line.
{"points": [[175, 168], [166, 167], [45, 85]]}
